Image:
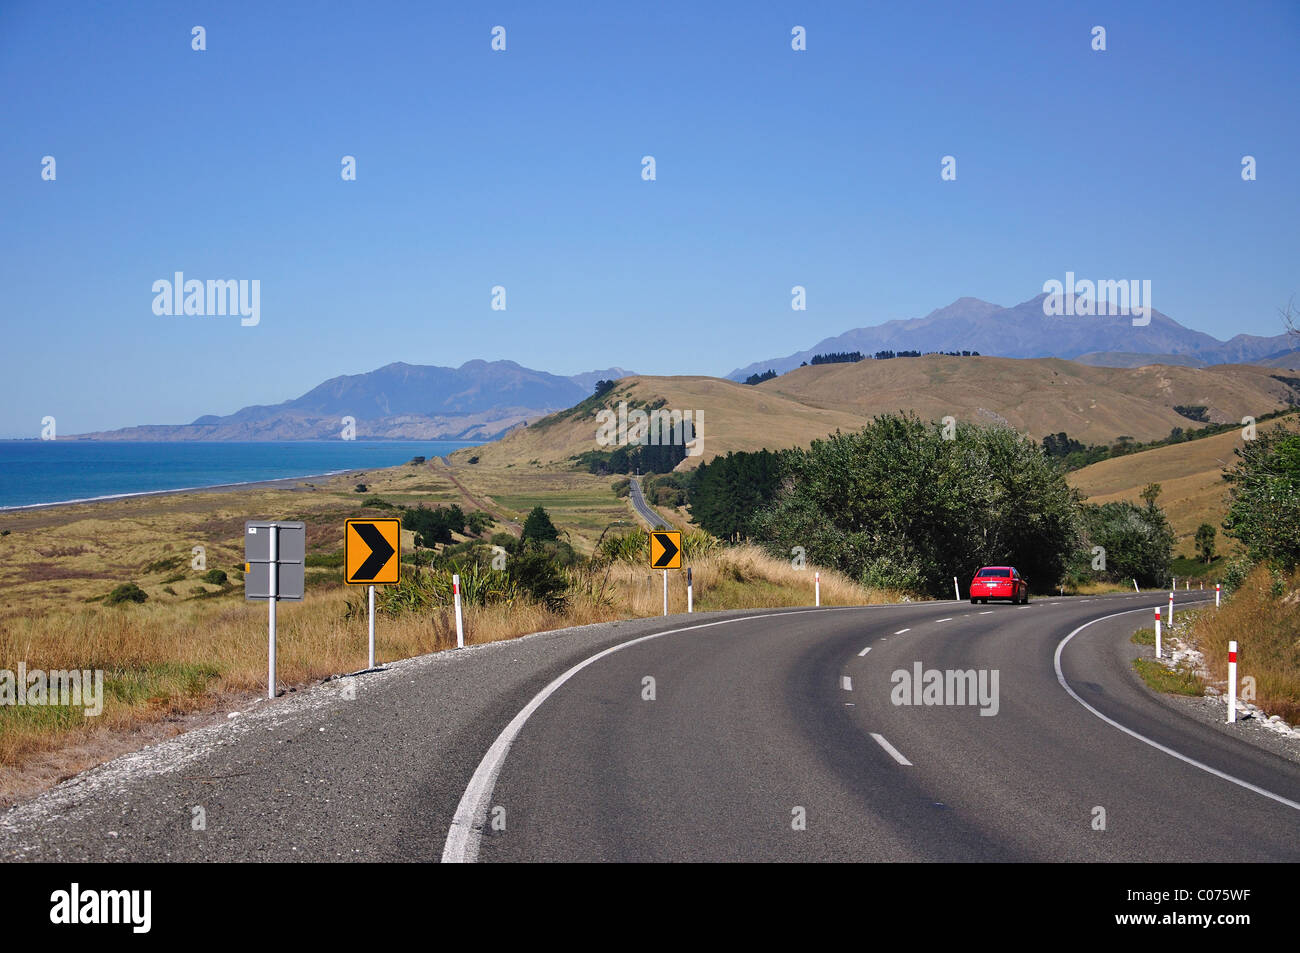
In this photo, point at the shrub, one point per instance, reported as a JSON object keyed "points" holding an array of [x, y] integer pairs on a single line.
{"points": [[216, 577], [127, 592], [538, 526], [362, 488]]}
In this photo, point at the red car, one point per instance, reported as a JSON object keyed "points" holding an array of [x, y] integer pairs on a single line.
{"points": [[999, 582]]}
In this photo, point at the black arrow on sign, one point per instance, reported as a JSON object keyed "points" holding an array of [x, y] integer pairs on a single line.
{"points": [[670, 551], [380, 551]]}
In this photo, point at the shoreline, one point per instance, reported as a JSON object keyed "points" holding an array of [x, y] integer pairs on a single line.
{"points": [[276, 483]]}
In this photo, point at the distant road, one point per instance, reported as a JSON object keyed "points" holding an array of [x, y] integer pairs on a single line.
{"points": [[643, 509]]}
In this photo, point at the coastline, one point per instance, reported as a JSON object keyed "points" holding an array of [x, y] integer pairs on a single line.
{"points": [[277, 483]]}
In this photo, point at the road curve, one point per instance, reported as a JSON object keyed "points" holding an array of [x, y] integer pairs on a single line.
{"points": [[758, 718], [759, 723]]}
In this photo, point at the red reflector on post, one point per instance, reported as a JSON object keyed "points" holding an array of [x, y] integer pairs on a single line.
{"points": [[1232, 656]]}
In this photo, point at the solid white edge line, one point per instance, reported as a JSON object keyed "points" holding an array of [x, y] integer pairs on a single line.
{"points": [[897, 755], [1060, 677], [464, 833]]}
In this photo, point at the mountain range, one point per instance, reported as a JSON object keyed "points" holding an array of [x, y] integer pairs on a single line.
{"points": [[480, 400], [1025, 331]]}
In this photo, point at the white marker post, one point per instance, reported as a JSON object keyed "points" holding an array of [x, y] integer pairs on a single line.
{"points": [[1157, 632], [1232, 682], [817, 588], [956, 590], [1218, 588], [271, 601], [1135, 586], [690, 592], [1171, 610], [372, 626], [665, 592], [455, 596]]}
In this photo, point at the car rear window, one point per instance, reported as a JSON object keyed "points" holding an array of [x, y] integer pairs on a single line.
{"points": [[993, 572]]}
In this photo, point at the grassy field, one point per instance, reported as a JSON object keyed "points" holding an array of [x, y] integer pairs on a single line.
{"points": [[194, 647]]}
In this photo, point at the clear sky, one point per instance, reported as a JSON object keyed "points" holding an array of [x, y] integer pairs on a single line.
{"points": [[523, 169]]}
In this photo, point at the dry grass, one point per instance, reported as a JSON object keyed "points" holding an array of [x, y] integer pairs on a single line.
{"points": [[1266, 628]]}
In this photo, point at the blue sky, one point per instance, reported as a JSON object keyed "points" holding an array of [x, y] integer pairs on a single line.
{"points": [[523, 169]]}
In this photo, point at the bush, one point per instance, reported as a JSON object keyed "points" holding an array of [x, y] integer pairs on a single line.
{"points": [[538, 526], [361, 488], [1264, 497], [216, 577], [127, 592], [377, 502], [434, 525], [478, 521]]}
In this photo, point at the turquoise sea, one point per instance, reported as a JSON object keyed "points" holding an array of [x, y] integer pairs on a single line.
{"points": [[57, 471]]}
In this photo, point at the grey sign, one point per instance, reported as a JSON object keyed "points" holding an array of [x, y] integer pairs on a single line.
{"points": [[291, 548]]}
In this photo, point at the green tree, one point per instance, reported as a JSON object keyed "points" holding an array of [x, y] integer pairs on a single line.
{"points": [[1137, 540], [896, 504], [1205, 534], [538, 526], [1264, 497], [1150, 493]]}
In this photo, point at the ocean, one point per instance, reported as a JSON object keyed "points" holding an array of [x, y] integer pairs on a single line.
{"points": [[58, 471]]}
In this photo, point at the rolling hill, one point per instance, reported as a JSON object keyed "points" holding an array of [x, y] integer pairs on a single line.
{"points": [[1037, 397], [1190, 475]]}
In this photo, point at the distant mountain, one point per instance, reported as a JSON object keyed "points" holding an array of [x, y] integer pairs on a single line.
{"points": [[969, 324], [480, 400]]}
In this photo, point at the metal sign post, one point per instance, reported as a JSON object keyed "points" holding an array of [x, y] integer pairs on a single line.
{"points": [[270, 602], [274, 555], [372, 628]]}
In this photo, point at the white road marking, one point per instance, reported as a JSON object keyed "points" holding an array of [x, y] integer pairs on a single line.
{"points": [[1060, 677], [987, 612], [949, 619], [466, 829], [880, 740], [901, 631], [864, 651], [846, 683]]}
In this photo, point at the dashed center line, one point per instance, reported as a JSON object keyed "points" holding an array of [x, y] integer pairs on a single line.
{"points": [[901, 631], [846, 683], [864, 651], [949, 619], [894, 752], [987, 612]]}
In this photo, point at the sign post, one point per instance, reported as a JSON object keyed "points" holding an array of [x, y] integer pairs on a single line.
{"points": [[274, 554], [372, 556], [665, 554]]}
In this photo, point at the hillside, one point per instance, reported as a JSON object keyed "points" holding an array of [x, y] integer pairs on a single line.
{"points": [[1034, 396], [1042, 396], [1190, 475], [736, 417]]}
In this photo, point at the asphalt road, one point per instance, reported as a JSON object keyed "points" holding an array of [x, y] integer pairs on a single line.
{"points": [[643, 509], [505, 752]]}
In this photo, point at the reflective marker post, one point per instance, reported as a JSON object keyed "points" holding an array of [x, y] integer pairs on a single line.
{"points": [[1171, 610], [817, 592], [455, 594], [956, 590], [1232, 682], [1217, 592], [1157, 632], [690, 592]]}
